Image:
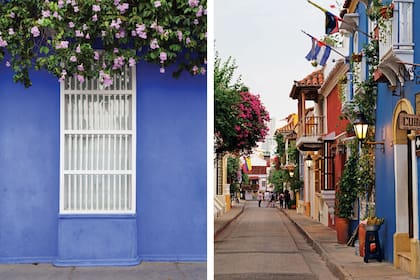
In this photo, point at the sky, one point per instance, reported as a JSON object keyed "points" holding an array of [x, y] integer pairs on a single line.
{"points": [[265, 39]]}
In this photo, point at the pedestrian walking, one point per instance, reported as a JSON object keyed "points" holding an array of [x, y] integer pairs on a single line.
{"points": [[281, 199], [287, 199], [260, 198], [272, 201]]}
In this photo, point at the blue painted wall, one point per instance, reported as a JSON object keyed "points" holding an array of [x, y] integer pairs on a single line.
{"points": [[171, 166], [29, 168], [170, 223]]}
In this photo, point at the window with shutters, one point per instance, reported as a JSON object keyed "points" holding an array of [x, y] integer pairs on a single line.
{"points": [[98, 146]]}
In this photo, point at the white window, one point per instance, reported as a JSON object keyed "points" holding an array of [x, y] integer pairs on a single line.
{"points": [[98, 146]]}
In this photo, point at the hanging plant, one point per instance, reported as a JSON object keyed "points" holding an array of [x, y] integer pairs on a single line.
{"points": [[62, 36]]}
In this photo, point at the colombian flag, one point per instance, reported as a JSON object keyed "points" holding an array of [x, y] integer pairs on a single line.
{"points": [[246, 166]]}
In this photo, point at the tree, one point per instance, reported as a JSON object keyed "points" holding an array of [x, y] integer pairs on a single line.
{"points": [[240, 118]]}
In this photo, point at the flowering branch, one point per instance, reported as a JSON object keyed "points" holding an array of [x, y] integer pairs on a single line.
{"points": [[62, 36]]}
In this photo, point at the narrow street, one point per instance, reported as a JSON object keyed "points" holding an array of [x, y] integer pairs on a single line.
{"points": [[262, 243]]}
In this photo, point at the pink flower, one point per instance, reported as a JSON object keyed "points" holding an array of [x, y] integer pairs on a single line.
{"points": [[96, 8], [131, 62], [87, 36], [35, 31], [12, 15], [203, 71], [71, 24], [157, 4], [11, 31], [199, 12], [73, 58], [3, 43], [195, 69], [96, 55], [140, 31], [60, 4], [62, 45], [78, 49], [116, 50], [193, 3], [80, 67], [95, 17], [188, 40], [163, 56], [7, 64], [162, 70], [85, 27], [46, 14], [76, 9], [196, 21], [123, 7], [80, 78], [154, 44], [79, 33], [179, 34]]}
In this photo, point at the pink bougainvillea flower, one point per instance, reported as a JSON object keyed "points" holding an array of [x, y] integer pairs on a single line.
{"points": [[196, 21], [193, 3], [3, 43], [179, 34], [96, 55], [163, 56], [80, 78], [96, 8], [80, 67], [95, 17], [79, 33], [60, 4], [188, 40], [35, 31], [76, 9], [62, 45], [11, 31], [122, 7], [78, 49], [71, 24], [157, 4], [154, 44], [73, 58], [46, 14], [12, 15], [131, 62]]}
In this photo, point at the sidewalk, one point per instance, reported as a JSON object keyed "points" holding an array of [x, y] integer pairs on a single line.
{"points": [[341, 259], [143, 271], [220, 223]]}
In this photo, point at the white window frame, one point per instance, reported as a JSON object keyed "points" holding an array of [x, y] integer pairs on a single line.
{"points": [[84, 198]]}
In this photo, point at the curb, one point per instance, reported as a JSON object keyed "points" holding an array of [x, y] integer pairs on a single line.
{"points": [[217, 232], [335, 268]]}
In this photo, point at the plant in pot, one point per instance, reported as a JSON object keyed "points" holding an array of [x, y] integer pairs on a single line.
{"points": [[345, 197]]}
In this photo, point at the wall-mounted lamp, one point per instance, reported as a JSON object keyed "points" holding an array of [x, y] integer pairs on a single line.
{"points": [[360, 126], [308, 161]]}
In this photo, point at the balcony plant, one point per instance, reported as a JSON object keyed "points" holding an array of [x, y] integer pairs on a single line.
{"points": [[381, 14]]}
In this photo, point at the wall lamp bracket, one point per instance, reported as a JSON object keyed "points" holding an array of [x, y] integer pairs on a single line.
{"points": [[381, 143]]}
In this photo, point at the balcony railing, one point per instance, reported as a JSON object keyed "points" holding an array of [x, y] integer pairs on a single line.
{"points": [[398, 33], [311, 126]]}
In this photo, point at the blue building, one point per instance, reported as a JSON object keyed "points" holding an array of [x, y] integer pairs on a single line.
{"points": [[94, 176], [396, 127]]}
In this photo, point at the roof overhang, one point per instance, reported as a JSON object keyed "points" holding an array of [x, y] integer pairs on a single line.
{"points": [[310, 92]]}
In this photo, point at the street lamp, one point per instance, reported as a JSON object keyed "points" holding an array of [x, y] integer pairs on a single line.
{"points": [[291, 173], [360, 126], [308, 161]]}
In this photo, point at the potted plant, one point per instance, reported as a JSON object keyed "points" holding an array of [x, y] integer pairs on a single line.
{"points": [[345, 197]]}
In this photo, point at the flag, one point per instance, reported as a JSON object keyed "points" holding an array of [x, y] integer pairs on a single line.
{"points": [[319, 52], [331, 23], [246, 165], [331, 20]]}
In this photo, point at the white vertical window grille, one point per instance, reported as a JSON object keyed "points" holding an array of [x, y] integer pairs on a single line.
{"points": [[98, 146]]}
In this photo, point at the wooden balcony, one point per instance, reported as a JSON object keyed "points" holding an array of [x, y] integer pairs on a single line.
{"points": [[310, 131]]}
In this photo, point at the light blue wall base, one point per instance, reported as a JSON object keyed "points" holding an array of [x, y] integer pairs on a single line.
{"points": [[100, 240]]}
